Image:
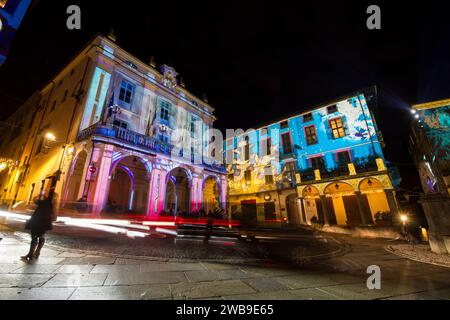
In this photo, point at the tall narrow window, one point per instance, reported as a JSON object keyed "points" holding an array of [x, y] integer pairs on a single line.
{"points": [[126, 92], [247, 149], [248, 175], [165, 110], [311, 135], [337, 128], [286, 142]]}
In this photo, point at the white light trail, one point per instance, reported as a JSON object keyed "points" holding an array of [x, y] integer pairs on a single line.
{"points": [[167, 231]]}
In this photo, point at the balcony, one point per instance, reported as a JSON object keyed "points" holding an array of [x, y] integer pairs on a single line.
{"points": [[132, 138], [125, 136]]}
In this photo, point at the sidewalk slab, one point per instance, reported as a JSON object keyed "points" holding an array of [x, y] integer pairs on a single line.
{"points": [[23, 280], [139, 292], [36, 294], [82, 268], [117, 279], [210, 289], [76, 280]]}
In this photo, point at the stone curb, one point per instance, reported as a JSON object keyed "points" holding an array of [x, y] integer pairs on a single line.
{"points": [[402, 254]]}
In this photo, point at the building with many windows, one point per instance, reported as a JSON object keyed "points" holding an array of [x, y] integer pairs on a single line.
{"points": [[110, 134], [430, 147], [325, 164]]}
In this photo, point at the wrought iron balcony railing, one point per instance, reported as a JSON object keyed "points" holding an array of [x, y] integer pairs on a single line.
{"points": [[127, 136], [138, 140]]}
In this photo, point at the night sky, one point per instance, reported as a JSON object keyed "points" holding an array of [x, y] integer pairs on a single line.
{"points": [[256, 62]]}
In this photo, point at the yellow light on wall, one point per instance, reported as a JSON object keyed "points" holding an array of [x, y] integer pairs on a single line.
{"points": [[50, 136]]}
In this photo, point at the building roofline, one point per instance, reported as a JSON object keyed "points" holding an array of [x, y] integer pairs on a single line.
{"points": [[315, 107], [103, 38], [432, 104]]}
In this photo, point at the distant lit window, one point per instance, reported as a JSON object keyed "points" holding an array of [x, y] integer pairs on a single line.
{"points": [[126, 92], [337, 128], [311, 135], [332, 109], [286, 142]]}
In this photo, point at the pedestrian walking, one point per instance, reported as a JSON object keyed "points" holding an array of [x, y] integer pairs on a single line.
{"points": [[39, 223]]}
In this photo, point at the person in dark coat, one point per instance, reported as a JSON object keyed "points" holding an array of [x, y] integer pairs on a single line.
{"points": [[39, 223]]}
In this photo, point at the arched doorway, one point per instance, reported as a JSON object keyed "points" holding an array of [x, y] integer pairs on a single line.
{"points": [[311, 204], [373, 196], [73, 192], [211, 195], [128, 188], [178, 185], [292, 209], [341, 200]]}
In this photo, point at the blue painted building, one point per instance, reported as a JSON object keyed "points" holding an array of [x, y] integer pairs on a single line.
{"points": [[324, 164]]}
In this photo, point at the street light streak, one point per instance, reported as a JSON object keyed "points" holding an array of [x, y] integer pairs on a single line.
{"points": [[167, 231], [17, 204], [159, 223]]}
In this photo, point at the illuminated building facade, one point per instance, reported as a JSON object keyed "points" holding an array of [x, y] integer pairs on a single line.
{"points": [[102, 135], [325, 164], [430, 147], [11, 16]]}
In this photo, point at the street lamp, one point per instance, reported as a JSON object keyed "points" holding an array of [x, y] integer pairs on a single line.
{"points": [[50, 136]]}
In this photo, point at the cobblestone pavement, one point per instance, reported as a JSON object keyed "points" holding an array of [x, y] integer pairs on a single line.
{"points": [[63, 273], [421, 253]]}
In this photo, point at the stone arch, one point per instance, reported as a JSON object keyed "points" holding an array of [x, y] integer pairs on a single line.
{"points": [[342, 204], [178, 190], [374, 196], [75, 182], [128, 190], [212, 193]]}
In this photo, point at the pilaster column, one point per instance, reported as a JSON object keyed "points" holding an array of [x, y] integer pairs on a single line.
{"points": [[157, 193], [302, 208], [196, 192], [323, 202], [223, 194], [102, 159], [391, 201], [366, 216]]}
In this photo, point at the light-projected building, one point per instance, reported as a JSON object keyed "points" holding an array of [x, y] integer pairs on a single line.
{"points": [[11, 16], [325, 164], [430, 147], [103, 136]]}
